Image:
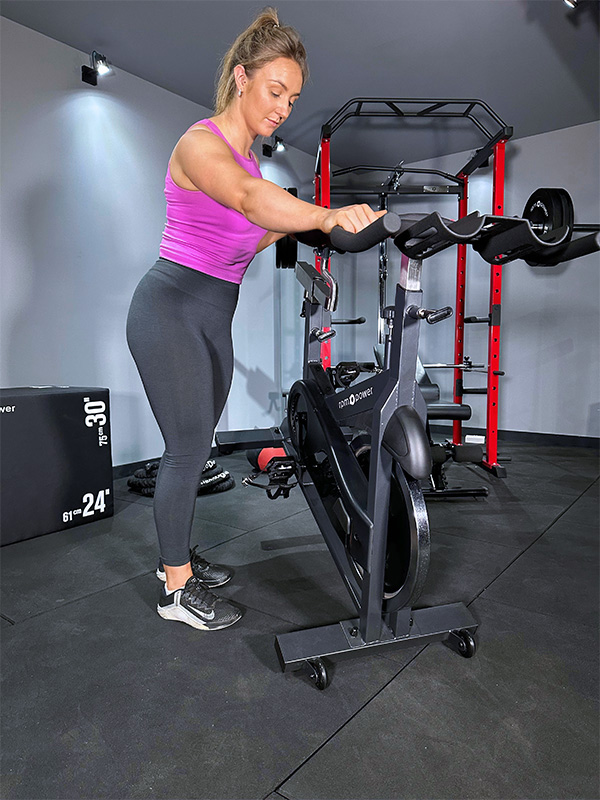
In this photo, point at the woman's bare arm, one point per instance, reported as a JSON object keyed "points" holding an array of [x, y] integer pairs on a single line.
{"points": [[269, 238], [207, 161]]}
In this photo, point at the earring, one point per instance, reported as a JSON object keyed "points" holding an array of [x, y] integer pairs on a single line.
{"points": [[239, 92]]}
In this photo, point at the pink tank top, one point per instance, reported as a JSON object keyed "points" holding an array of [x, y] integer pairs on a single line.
{"points": [[205, 235]]}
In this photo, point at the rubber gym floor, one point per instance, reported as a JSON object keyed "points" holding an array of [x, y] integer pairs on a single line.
{"points": [[101, 698]]}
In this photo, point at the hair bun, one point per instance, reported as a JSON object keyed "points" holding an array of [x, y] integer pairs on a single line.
{"points": [[255, 47]]}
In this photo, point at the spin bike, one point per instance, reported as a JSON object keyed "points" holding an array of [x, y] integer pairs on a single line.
{"points": [[358, 455], [359, 452]]}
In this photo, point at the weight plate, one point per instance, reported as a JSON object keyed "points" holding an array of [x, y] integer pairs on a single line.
{"points": [[568, 211], [548, 210], [286, 253]]}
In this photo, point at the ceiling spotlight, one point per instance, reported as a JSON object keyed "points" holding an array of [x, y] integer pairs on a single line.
{"points": [[571, 3], [98, 66]]}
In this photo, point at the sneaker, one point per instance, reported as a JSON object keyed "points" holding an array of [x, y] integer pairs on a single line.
{"points": [[196, 606], [212, 575]]}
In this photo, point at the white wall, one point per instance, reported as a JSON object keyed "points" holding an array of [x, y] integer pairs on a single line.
{"points": [[550, 320], [83, 210], [267, 331], [82, 216]]}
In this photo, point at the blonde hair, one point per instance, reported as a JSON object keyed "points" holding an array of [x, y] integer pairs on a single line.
{"points": [[263, 41]]}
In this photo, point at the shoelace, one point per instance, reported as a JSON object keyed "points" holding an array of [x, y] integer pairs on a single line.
{"points": [[198, 595], [202, 562]]}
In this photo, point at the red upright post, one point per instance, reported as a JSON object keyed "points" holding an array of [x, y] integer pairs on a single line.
{"points": [[459, 323], [323, 199], [491, 457]]}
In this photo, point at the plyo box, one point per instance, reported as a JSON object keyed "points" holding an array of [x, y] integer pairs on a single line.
{"points": [[55, 459]]}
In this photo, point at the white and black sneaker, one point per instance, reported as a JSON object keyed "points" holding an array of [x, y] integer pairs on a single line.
{"points": [[212, 575], [195, 605]]}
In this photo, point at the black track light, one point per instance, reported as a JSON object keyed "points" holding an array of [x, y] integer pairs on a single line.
{"points": [[276, 145], [98, 66]]}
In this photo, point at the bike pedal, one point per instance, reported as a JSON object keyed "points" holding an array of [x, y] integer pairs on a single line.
{"points": [[281, 472]]}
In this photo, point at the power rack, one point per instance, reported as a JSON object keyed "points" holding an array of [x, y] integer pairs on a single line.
{"points": [[496, 133]]}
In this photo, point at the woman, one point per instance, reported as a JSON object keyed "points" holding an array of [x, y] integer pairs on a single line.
{"points": [[220, 213]]}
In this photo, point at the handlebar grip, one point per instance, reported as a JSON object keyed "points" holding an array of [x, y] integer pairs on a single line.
{"points": [[574, 249], [387, 225]]}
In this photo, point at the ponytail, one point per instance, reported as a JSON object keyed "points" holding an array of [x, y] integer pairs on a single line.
{"points": [[263, 41]]}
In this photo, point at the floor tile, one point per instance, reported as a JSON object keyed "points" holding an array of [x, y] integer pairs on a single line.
{"points": [[285, 569], [515, 721], [244, 507], [460, 568], [103, 699], [42, 574], [558, 575], [122, 491], [248, 507], [575, 526], [291, 575], [515, 512], [587, 467], [510, 523]]}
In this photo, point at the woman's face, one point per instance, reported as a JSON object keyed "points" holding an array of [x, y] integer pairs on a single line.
{"points": [[269, 95]]}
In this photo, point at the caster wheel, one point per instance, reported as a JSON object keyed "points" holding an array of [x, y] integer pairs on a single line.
{"points": [[463, 643], [318, 673]]}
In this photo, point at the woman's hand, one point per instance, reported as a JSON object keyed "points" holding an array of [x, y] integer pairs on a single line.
{"points": [[351, 218]]}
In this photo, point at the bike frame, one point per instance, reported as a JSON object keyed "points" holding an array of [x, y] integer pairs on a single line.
{"points": [[365, 505]]}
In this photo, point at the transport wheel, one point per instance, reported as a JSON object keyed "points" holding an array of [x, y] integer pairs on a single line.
{"points": [[318, 673], [467, 646], [462, 642]]}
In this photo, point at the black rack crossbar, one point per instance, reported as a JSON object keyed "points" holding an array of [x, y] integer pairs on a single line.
{"points": [[412, 188], [392, 186], [494, 130], [397, 170], [432, 109]]}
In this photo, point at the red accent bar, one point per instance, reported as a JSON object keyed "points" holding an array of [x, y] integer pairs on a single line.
{"points": [[323, 199], [491, 437], [325, 173], [459, 309]]}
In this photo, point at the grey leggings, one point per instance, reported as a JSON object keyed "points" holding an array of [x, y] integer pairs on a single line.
{"points": [[179, 334]]}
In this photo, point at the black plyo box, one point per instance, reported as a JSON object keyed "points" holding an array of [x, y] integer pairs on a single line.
{"points": [[55, 459]]}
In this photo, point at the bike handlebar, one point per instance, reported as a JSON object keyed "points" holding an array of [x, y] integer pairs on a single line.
{"points": [[389, 224]]}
